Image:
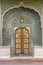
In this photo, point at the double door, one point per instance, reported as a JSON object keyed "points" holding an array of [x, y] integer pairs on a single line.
{"points": [[22, 41]]}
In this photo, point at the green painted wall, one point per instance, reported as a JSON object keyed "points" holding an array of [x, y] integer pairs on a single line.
{"points": [[5, 4], [31, 20]]}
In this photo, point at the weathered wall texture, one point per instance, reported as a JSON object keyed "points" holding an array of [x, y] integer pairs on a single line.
{"points": [[31, 20]]}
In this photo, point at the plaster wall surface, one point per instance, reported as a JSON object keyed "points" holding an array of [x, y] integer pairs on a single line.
{"points": [[5, 5]]}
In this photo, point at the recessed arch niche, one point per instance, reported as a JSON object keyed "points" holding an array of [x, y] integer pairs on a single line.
{"points": [[31, 19]]}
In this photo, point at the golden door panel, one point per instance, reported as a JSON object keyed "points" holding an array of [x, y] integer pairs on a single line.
{"points": [[26, 45], [18, 31], [25, 36], [18, 35], [25, 41], [18, 51], [18, 45], [18, 40], [25, 31], [26, 51]]}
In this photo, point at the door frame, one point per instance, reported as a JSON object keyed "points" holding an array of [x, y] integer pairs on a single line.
{"points": [[18, 28]]}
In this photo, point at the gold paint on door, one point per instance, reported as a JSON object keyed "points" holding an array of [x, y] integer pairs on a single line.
{"points": [[21, 40]]}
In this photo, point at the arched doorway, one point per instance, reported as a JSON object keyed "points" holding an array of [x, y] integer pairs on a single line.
{"points": [[21, 40], [31, 19]]}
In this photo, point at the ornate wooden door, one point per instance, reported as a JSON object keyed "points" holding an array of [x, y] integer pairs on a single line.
{"points": [[22, 41]]}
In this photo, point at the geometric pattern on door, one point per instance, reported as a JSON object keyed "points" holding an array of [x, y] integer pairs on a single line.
{"points": [[21, 40]]}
